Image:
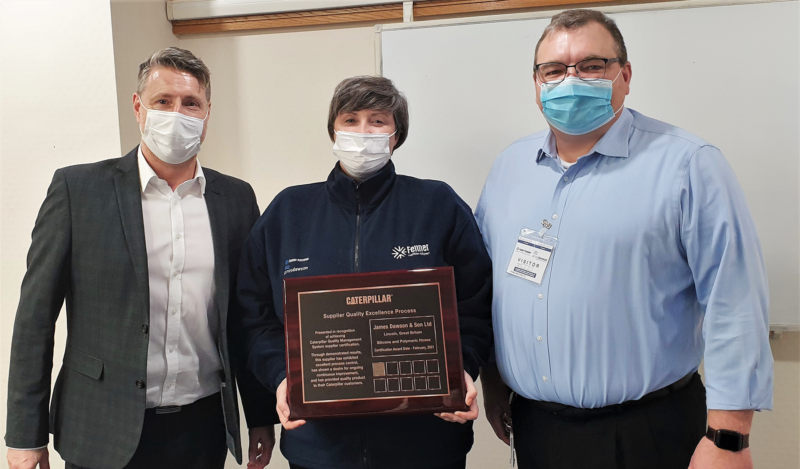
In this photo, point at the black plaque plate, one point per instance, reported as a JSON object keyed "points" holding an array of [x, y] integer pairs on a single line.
{"points": [[376, 343]]}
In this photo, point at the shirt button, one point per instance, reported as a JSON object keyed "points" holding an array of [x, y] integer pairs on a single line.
{"points": [[544, 378], [555, 216], [171, 386], [174, 312], [171, 349], [176, 274], [539, 338], [540, 296], [178, 236], [139, 383], [566, 178], [145, 328]]}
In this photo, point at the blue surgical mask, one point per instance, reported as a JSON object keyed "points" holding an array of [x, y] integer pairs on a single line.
{"points": [[577, 107]]}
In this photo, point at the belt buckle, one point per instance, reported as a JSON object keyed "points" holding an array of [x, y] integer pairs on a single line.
{"points": [[168, 409]]}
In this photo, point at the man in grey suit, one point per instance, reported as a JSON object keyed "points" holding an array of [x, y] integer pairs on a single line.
{"points": [[144, 249]]}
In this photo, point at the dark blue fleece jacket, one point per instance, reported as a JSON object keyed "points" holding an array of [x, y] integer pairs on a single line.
{"points": [[339, 227]]}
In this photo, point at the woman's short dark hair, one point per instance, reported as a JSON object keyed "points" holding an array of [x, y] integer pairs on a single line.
{"points": [[373, 93]]}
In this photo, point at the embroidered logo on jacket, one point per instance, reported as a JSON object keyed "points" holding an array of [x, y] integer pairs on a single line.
{"points": [[400, 252], [288, 269]]}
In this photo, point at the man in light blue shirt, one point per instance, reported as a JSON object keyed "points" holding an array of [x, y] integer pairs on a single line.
{"points": [[623, 254]]}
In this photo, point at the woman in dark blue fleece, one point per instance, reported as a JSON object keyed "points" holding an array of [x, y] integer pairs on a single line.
{"points": [[351, 223]]}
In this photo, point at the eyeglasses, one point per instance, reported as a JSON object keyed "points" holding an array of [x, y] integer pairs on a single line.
{"points": [[587, 70]]}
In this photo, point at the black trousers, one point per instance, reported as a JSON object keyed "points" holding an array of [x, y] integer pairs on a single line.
{"points": [[458, 465], [658, 434], [192, 438]]}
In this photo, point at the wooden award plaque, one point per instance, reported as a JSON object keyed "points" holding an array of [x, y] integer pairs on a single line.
{"points": [[374, 343]]}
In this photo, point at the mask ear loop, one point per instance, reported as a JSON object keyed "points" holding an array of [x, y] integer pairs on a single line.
{"points": [[615, 78], [141, 103], [612, 82]]}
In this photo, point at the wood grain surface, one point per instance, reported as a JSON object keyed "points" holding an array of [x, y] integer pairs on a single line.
{"points": [[376, 14]]}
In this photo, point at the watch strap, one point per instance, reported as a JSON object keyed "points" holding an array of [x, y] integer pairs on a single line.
{"points": [[728, 439]]}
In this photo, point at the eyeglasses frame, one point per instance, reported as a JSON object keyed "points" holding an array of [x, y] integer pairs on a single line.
{"points": [[606, 61]]}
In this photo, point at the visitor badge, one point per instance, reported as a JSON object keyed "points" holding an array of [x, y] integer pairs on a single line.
{"points": [[532, 254]]}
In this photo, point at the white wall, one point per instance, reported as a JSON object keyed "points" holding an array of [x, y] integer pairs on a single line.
{"points": [[59, 108], [269, 109]]}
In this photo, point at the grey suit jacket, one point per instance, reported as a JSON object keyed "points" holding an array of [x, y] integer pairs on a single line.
{"points": [[88, 248]]}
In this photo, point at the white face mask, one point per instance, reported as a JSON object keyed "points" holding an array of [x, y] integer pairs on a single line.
{"points": [[171, 136], [362, 155]]}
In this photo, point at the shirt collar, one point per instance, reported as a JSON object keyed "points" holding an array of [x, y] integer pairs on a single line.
{"points": [[613, 143], [146, 173]]}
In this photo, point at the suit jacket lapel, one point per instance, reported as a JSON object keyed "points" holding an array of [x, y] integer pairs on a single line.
{"points": [[219, 220], [127, 185], [218, 217]]}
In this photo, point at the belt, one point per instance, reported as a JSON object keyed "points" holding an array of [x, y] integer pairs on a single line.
{"points": [[567, 412], [200, 404]]}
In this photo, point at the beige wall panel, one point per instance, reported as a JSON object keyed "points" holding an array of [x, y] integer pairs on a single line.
{"points": [[59, 108], [140, 28], [269, 106], [776, 435]]}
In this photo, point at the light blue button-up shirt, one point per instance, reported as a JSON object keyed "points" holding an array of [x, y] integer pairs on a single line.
{"points": [[657, 266]]}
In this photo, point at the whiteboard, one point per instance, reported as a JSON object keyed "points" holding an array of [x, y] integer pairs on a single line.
{"points": [[471, 93]]}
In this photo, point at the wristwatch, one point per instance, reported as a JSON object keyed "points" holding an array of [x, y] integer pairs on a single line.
{"points": [[728, 439]]}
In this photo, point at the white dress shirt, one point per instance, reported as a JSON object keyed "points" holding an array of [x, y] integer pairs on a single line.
{"points": [[183, 363]]}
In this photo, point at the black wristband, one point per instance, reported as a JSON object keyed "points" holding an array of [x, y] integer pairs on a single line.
{"points": [[728, 440]]}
